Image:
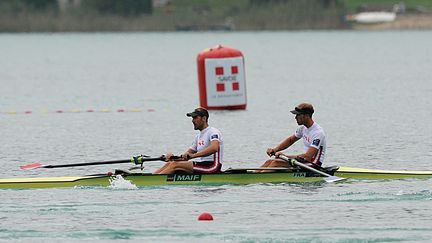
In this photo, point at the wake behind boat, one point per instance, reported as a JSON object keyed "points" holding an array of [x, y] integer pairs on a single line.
{"points": [[239, 176]]}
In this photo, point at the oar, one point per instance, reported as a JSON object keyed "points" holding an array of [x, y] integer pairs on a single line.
{"points": [[135, 160], [329, 178]]}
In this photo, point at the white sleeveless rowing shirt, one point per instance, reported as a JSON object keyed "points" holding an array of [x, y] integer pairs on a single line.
{"points": [[202, 140], [313, 136]]}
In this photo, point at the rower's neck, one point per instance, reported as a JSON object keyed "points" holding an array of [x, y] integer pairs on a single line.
{"points": [[309, 123], [204, 127]]}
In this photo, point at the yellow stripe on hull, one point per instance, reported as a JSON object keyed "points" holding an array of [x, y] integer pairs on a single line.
{"points": [[373, 174], [362, 170], [52, 182]]}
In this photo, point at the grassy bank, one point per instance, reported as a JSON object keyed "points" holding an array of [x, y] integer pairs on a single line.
{"points": [[186, 15]]}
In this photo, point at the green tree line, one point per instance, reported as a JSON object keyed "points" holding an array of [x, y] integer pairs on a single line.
{"points": [[113, 7]]}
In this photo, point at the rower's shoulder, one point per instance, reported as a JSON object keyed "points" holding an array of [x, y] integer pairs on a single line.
{"points": [[214, 129], [318, 128]]}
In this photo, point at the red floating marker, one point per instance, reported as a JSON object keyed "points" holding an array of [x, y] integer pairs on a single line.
{"points": [[90, 110], [205, 216], [59, 111], [110, 173], [121, 110], [151, 110], [27, 112]]}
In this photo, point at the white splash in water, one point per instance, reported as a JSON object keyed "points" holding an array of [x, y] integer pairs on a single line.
{"points": [[400, 193], [118, 182]]}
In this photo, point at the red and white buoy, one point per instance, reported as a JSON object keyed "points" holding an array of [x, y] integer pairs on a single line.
{"points": [[221, 78]]}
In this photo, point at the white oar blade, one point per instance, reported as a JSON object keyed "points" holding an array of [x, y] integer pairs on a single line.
{"points": [[31, 166], [334, 179]]}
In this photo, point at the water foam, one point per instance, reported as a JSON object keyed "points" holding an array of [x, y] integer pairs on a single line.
{"points": [[118, 182]]}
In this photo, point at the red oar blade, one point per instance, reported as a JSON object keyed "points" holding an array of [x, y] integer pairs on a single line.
{"points": [[31, 166]]}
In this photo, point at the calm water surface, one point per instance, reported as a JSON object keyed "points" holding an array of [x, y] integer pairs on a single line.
{"points": [[372, 92]]}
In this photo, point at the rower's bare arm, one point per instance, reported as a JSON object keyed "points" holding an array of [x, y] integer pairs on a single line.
{"points": [[286, 143], [213, 148], [188, 152], [310, 153]]}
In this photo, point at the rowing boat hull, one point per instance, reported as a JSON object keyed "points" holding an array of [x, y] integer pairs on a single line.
{"points": [[156, 180], [212, 179]]}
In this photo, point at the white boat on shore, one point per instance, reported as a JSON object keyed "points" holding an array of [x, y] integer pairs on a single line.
{"points": [[372, 17]]}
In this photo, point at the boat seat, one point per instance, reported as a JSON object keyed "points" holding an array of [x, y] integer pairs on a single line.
{"points": [[122, 172], [331, 169], [235, 171]]}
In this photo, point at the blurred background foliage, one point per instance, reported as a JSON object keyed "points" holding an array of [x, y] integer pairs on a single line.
{"points": [[169, 15]]}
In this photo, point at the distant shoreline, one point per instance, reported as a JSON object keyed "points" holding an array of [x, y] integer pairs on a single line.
{"points": [[23, 16], [53, 24]]}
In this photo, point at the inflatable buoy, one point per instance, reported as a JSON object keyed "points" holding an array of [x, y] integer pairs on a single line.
{"points": [[221, 78]]}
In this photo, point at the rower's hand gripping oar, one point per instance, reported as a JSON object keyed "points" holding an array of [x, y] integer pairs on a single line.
{"points": [[137, 160], [328, 178]]}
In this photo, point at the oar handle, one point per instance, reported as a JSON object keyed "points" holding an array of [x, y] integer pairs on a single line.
{"points": [[138, 160]]}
